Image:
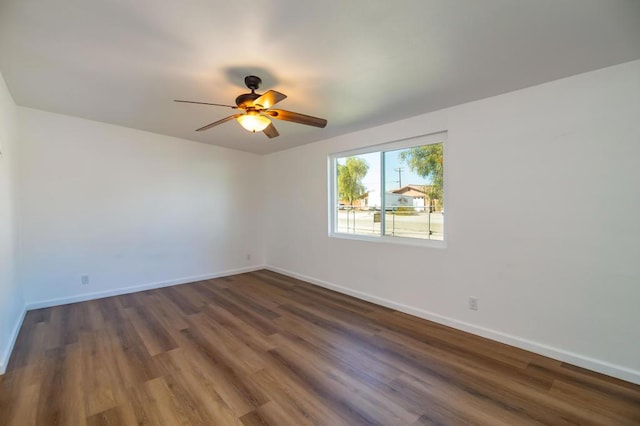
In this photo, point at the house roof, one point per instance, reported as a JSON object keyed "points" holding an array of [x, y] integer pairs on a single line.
{"points": [[411, 190]]}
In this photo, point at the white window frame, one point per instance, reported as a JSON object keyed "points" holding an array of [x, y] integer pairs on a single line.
{"points": [[433, 138]]}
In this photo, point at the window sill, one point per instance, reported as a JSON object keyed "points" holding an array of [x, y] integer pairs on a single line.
{"points": [[404, 241]]}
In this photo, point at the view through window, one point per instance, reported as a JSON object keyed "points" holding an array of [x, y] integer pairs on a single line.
{"points": [[395, 192]]}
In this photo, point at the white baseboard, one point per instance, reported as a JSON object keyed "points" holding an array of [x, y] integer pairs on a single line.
{"points": [[597, 365], [4, 360], [133, 289]]}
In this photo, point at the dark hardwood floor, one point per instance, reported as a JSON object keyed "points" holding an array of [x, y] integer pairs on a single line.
{"points": [[261, 348]]}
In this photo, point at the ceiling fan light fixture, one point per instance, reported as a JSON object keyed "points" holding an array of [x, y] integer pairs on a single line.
{"points": [[253, 121]]}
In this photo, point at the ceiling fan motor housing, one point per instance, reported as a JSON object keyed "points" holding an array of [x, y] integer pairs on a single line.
{"points": [[245, 100]]}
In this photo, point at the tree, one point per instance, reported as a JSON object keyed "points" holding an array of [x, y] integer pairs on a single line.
{"points": [[350, 175], [428, 162]]}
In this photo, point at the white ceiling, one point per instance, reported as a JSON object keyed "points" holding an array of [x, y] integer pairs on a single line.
{"points": [[357, 63]]}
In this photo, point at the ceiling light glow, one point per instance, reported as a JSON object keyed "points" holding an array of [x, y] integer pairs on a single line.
{"points": [[253, 121]]}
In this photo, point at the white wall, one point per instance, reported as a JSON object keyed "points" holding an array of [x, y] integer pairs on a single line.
{"points": [[543, 223], [11, 299], [130, 209]]}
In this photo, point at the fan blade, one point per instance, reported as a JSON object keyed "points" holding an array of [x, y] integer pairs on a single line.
{"points": [[205, 103], [224, 120], [296, 117], [271, 131], [269, 99]]}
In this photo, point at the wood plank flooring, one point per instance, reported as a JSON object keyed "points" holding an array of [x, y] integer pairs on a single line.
{"points": [[261, 348]]}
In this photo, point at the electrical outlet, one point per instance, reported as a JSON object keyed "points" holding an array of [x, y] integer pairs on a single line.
{"points": [[84, 279], [473, 303]]}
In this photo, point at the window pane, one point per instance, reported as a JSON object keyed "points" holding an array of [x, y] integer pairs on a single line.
{"points": [[397, 191], [357, 181], [413, 192]]}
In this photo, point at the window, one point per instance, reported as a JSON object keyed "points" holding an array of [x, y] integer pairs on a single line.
{"points": [[393, 191]]}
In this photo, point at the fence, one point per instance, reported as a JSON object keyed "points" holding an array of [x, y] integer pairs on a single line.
{"points": [[399, 221]]}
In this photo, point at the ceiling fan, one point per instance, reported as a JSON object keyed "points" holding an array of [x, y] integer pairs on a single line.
{"points": [[257, 111]]}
